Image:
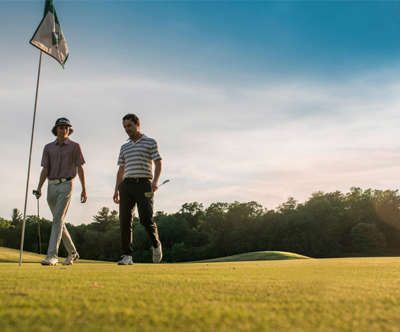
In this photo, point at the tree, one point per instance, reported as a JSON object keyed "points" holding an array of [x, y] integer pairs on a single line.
{"points": [[289, 206], [367, 239], [16, 217], [104, 219], [4, 227], [192, 212]]}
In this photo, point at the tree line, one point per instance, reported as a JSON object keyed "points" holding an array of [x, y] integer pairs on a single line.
{"points": [[335, 224]]}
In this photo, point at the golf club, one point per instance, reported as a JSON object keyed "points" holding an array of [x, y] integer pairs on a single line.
{"points": [[151, 194], [37, 194], [164, 182]]}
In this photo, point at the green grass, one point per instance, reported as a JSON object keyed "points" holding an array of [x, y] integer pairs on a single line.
{"points": [[257, 256], [354, 294], [8, 255]]}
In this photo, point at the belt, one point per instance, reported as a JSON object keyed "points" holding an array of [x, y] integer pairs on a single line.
{"points": [[136, 180], [58, 181]]}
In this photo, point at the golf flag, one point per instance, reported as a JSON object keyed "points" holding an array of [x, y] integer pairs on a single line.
{"points": [[48, 37]]}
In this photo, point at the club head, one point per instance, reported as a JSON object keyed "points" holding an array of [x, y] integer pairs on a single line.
{"points": [[164, 182]]}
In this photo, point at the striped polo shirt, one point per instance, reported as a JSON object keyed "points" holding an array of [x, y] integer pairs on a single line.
{"points": [[137, 157]]}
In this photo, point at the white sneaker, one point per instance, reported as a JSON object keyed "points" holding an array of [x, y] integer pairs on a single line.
{"points": [[51, 261], [71, 259], [157, 254], [125, 260]]}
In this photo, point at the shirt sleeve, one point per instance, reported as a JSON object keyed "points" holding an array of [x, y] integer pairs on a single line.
{"points": [[121, 158], [78, 156], [155, 154], [45, 158]]}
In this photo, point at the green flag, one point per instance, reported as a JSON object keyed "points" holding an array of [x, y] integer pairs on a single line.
{"points": [[48, 37]]}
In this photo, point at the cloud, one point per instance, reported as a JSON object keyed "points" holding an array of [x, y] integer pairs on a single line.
{"points": [[219, 143]]}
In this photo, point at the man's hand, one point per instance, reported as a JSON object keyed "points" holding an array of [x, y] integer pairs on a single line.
{"points": [[120, 178], [37, 193], [43, 177], [83, 196], [81, 174], [157, 172], [116, 197]]}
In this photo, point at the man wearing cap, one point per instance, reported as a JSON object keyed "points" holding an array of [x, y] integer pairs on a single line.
{"points": [[61, 161], [135, 185]]}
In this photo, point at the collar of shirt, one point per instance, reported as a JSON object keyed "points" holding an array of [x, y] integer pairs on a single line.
{"points": [[133, 142], [66, 141]]}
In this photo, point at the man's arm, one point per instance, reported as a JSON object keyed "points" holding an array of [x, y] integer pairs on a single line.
{"points": [[42, 179], [157, 172], [120, 175], [81, 174]]}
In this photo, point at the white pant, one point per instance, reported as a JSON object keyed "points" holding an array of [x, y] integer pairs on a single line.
{"points": [[58, 198]]}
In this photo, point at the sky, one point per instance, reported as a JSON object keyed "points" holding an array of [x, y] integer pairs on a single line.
{"points": [[248, 100]]}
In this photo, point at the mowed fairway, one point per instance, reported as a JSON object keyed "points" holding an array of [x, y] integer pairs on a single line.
{"points": [[354, 294]]}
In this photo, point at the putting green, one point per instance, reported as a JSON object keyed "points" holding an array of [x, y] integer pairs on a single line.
{"points": [[354, 294]]}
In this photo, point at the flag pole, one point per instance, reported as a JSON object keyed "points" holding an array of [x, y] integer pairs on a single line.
{"points": [[29, 162]]}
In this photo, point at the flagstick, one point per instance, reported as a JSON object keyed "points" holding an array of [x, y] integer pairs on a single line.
{"points": [[29, 162]]}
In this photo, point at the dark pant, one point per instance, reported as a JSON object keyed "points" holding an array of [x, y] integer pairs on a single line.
{"points": [[132, 192]]}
